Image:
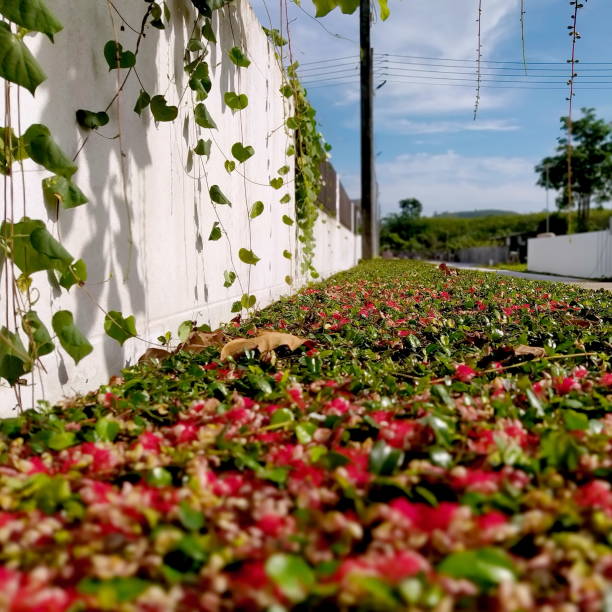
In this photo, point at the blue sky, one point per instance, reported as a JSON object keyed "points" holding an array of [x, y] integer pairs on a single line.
{"points": [[428, 144]]}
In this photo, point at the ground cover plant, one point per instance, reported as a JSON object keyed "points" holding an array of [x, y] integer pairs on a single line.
{"points": [[432, 439]]}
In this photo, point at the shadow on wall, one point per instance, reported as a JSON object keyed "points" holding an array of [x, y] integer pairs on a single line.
{"points": [[78, 77]]}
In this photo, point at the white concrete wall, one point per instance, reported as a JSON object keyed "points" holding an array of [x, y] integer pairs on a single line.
{"points": [[144, 233], [587, 255]]}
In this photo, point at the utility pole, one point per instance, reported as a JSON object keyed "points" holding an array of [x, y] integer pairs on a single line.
{"points": [[368, 188]]}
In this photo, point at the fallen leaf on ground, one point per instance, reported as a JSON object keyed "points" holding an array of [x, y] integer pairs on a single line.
{"points": [[154, 353], [198, 341], [267, 341], [530, 351]]}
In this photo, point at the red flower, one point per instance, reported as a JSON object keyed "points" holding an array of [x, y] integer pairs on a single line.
{"points": [[606, 380], [492, 519], [425, 517], [565, 385], [464, 373]]}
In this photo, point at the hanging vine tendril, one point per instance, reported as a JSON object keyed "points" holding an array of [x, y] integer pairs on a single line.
{"points": [[478, 60]]}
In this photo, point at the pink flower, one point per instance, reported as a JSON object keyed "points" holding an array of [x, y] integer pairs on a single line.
{"points": [[464, 373], [271, 524], [425, 517], [580, 372], [606, 380], [490, 520], [565, 385]]}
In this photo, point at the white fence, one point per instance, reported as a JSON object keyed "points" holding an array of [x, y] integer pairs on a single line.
{"points": [[587, 255], [144, 234]]}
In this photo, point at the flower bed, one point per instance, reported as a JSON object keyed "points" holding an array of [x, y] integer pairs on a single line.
{"points": [[441, 441]]}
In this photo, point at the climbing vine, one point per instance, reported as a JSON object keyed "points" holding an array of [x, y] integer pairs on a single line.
{"points": [[27, 246]]}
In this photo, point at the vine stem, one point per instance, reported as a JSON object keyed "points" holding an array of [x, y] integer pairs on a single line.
{"points": [[523, 35]]}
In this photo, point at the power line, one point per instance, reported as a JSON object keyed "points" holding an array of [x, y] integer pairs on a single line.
{"points": [[507, 68], [473, 61]]}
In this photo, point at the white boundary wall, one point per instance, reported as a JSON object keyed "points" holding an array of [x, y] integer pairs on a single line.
{"points": [[171, 272], [587, 255]]}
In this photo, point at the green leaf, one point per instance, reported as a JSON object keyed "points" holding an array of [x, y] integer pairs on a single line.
{"points": [[12, 149], [203, 147], [191, 518], [292, 123], [32, 15], [216, 195], [248, 301], [282, 416], [238, 57], [144, 99], [215, 232], [229, 278], [40, 342], [324, 7], [484, 566], [236, 306], [293, 576], [236, 101], [247, 256], [184, 330], [116, 57], [207, 32], [385, 459], [283, 170], [159, 477], [118, 327], [384, 9], [275, 36], [348, 7], [285, 199], [14, 359], [286, 90], [91, 120], [46, 244], [113, 591], [17, 64], [287, 220], [106, 430], [287, 254], [161, 111], [44, 151], [289, 280], [229, 165], [75, 273], [256, 209], [202, 117], [70, 337], [304, 432], [575, 420], [194, 44], [60, 190], [59, 440], [242, 153], [277, 183]]}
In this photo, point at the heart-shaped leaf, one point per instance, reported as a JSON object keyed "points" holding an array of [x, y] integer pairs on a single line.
{"points": [[285, 199], [203, 147], [229, 278], [283, 170], [242, 153], [60, 190], [248, 301], [215, 232], [161, 111], [248, 256], [230, 165], [14, 359], [46, 244], [44, 151], [116, 57], [118, 327], [238, 57], [256, 209], [236, 101], [91, 120], [17, 64], [12, 149], [74, 274], [287, 220], [202, 117], [40, 340], [144, 99], [207, 32], [217, 196], [292, 123], [70, 337], [277, 183], [287, 254], [32, 15]]}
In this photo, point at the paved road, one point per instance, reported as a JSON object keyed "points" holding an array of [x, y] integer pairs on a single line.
{"points": [[585, 284]]}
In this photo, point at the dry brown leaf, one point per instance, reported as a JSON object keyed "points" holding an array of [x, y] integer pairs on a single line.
{"points": [[198, 341], [267, 341], [531, 351], [580, 322], [154, 353]]}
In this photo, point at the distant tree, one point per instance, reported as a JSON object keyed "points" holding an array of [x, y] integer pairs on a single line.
{"points": [[411, 207], [591, 164]]}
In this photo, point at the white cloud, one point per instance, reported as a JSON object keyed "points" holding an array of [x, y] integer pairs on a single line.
{"points": [[453, 182], [406, 126]]}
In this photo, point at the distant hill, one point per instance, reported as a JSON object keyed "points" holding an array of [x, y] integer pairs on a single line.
{"points": [[470, 214]]}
